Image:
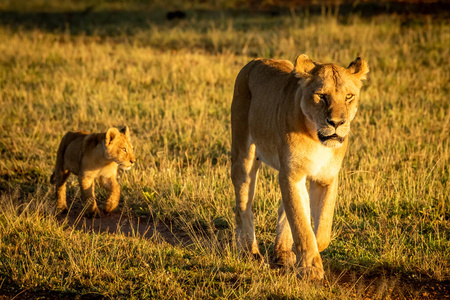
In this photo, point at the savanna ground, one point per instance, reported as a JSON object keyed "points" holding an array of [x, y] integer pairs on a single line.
{"points": [[74, 66]]}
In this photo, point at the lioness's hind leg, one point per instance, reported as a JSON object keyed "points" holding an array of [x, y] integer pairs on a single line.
{"points": [[284, 254], [244, 165], [244, 172], [112, 186]]}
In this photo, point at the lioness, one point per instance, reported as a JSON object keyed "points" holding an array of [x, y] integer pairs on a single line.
{"points": [[296, 119], [92, 156]]}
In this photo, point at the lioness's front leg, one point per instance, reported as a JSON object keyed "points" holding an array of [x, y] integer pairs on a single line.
{"points": [[323, 198], [113, 187], [244, 171], [87, 193], [296, 205]]}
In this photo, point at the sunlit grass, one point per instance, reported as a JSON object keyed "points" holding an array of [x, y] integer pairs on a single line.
{"points": [[172, 85]]}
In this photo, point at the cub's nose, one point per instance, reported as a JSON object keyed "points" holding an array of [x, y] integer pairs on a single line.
{"points": [[335, 123]]}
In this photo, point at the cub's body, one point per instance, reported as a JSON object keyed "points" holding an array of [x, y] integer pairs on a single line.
{"points": [[90, 157]]}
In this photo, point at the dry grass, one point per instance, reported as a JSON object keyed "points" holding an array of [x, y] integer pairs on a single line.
{"points": [[172, 84]]}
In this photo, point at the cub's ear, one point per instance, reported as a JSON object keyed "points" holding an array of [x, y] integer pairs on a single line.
{"points": [[359, 68], [111, 134], [303, 65], [125, 130]]}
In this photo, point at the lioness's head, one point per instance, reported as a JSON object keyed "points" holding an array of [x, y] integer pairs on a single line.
{"points": [[330, 96], [118, 147]]}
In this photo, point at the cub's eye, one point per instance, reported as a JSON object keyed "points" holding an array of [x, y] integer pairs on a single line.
{"points": [[349, 97], [124, 150]]}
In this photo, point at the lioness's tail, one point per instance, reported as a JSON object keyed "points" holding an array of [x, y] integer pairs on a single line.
{"points": [[60, 157], [240, 108]]}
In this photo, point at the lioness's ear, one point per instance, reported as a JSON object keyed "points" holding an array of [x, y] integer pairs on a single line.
{"points": [[359, 68], [125, 131], [111, 134], [303, 65]]}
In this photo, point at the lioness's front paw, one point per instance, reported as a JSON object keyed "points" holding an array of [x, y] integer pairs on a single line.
{"points": [[313, 269], [285, 259], [312, 273]]}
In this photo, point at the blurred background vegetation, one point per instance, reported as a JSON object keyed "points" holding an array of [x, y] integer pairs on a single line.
{"points": [[167, 69]]}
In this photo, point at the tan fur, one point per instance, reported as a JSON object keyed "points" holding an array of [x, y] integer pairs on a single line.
{"points": [[93, 156], [295, 119]]}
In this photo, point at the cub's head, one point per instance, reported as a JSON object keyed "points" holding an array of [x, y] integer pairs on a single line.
{"points": [[118, 147], [330, 96]]}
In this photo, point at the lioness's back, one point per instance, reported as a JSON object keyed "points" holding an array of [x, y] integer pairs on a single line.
{"points": [[260, 70]]}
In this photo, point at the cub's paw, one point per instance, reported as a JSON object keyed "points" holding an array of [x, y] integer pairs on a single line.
{"points": [[61, 211], [93, 214], [258, 257]]}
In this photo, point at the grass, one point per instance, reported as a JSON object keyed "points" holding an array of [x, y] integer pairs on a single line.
{"points": [[172, 83]]}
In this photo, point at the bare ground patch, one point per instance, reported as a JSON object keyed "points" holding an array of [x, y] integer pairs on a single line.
{"points": [[386, 286], [126, 224]]}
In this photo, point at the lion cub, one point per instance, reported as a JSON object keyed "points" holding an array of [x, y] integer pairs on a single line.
{"points": [[93, 156]]}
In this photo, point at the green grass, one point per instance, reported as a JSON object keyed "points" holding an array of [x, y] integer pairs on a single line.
{"points": [[172, 84]]}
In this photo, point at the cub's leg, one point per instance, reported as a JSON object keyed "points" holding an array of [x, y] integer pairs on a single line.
{"points": [[113, 187], [59, 178], [244, 171], [283, 243], [87, 193], [323, 198]]}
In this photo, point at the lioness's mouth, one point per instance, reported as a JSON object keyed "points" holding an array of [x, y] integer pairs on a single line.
{"points": [[334, 136], [125, 167]]}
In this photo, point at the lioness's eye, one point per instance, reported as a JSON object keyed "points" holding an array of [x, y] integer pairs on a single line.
{"points": [[322, 97], [349, 97], [124, 150]]}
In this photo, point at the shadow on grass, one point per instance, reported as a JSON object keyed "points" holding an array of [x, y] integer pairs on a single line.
{"points": [[10, 290], [125, 223], [383, 283]]}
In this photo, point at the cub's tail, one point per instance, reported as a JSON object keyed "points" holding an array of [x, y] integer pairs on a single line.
{"points": [[52, 178], [60, 157]]}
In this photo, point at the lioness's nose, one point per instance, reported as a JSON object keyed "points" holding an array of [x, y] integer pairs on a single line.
{"points": [[335, 123], [132, 161]]}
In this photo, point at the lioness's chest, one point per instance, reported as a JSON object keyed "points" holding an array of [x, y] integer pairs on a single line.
{"points": [[313, 160], [320, 164]]}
